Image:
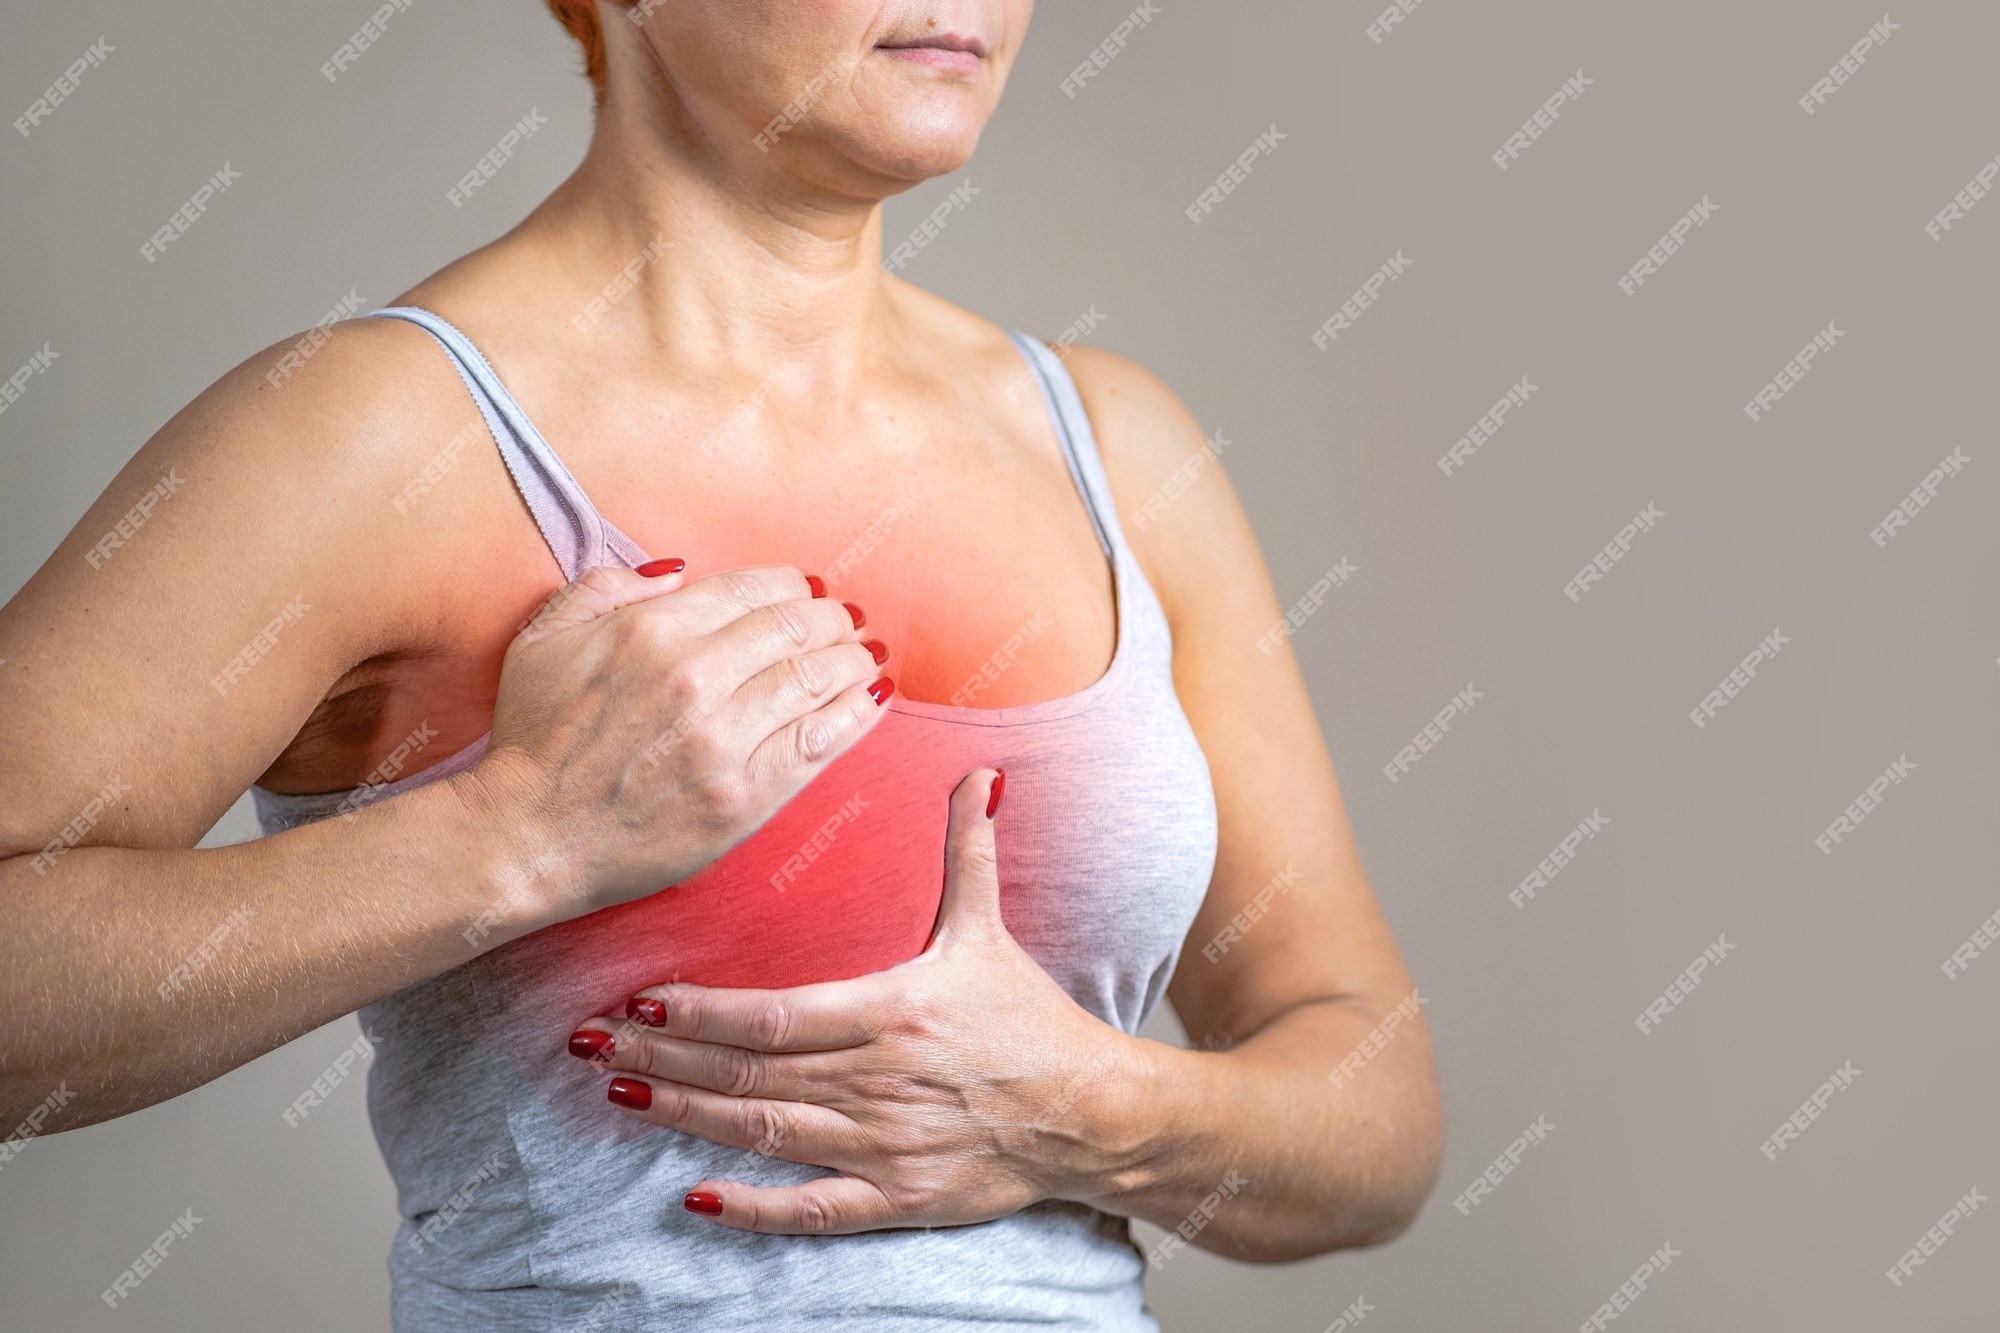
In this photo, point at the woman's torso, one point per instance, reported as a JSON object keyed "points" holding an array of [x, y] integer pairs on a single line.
{"points": [[934, 494], [529, 1203]]}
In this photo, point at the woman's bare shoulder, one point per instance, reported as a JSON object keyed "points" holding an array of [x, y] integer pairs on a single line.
{"points": [[350, 430], [252, 552], [1179, 512], [1142, 426], [355, 396]]}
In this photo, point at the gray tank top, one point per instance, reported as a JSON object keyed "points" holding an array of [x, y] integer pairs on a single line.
{"points": [[528, 1203]]}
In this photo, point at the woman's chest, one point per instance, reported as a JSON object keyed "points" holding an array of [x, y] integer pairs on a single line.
{"points": [[1106, 843], [978, 568], [951, 551]]}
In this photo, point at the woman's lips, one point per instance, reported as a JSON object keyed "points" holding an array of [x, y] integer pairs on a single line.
{"points": [[959, 55]]}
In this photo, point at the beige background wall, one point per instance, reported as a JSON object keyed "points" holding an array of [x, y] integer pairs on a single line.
{"points": [[1513, 273]]}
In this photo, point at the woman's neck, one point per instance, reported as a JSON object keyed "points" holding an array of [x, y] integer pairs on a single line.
{"points": [[752, 268]]}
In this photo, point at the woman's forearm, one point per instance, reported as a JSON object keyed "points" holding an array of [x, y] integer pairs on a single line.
{"points": [[131, 976], [1272, 1151], [641, 727]]}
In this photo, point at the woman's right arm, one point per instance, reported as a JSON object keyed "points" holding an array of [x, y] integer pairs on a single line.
{"points": [[641, 729]]}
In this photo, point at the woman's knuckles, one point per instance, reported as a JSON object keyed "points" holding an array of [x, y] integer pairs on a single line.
{"points": [[714, 801], [788, 625], [687, 682], [771, 1023], [816, 740], [643, 630], [815, 1215], [594, 591], [744, 589], [733, 1071], [811, 677], [763, 1122]]}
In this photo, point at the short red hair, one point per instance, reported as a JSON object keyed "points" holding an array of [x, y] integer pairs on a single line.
{"points": [[579, 18]]}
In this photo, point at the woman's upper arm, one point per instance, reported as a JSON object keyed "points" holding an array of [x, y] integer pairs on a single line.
{"points": [[176, 640], [1281, 820]]}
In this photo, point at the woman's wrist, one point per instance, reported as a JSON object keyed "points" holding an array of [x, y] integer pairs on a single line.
{"points": [[1137, 1119], [522, 870]]}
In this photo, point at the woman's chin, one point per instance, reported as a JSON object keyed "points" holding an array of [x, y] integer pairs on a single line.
{"points": [[913, 163], [916, 142]]}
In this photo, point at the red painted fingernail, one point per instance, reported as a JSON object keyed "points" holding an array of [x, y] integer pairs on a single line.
{"points": [[855, 611], [993, 796], [881, 690], [701, 1201], [650, 1012], [877, 649], [630, 1093], [817, 584], [590, 1044], [654, 569]]}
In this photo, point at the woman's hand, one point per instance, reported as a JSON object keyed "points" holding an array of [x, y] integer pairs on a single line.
{"points": [[643, 728], [957, 1087]]}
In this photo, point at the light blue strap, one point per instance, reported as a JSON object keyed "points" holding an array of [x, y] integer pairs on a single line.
{"points": [[1078, 440], [570, 524]]}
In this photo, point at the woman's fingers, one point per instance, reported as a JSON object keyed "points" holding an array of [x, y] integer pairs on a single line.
{"points": [[787, 688], [599, 591], [790, 1131], [813, 740], [640, 663], [630, 1047], [775, 660], [779, 633], [824, 1016], [834, 1206], [706, 605]]}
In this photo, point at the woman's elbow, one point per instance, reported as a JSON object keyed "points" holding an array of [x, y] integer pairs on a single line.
{"points": [[1381, 1209]]}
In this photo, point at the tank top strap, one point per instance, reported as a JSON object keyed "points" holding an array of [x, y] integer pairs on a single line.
{"points": [[1079, 441], [578, 536]]}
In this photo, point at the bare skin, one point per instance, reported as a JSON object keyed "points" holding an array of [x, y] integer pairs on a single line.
{"points": [[864, 389]]}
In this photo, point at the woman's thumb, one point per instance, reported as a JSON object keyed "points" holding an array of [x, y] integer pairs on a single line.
{"points": [[971, 903]]}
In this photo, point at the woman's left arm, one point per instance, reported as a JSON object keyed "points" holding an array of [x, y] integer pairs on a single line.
{"points": [[1313, 1076], [965, 1084]]}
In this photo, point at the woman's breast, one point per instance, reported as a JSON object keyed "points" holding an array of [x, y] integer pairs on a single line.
{"points": [[844, 880], [1106, 841]]}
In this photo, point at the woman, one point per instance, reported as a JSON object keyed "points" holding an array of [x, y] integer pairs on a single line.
{"points": [[891, 992]]}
